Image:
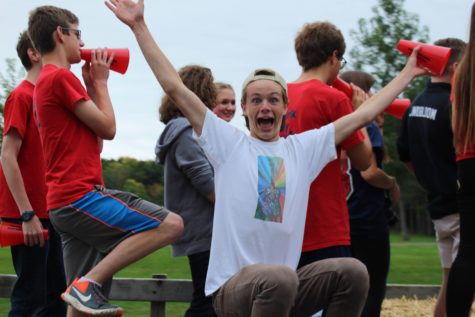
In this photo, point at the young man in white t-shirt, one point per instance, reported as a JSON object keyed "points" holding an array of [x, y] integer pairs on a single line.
{"points": [[262, 184]]}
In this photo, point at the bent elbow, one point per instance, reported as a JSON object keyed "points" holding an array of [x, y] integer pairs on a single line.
{"points": [[109, 134], [363, 165]]}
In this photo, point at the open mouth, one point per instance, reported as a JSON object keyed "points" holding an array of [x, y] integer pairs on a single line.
{"points": [[265, 123]]}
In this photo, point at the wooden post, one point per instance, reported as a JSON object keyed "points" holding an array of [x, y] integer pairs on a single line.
{"points": [[402, 218], [157, 309]]}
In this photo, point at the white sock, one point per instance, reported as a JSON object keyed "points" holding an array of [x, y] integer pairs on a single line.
{"points": [[85, 279]]}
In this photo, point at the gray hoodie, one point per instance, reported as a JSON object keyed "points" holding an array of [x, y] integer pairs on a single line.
{"points": [[188, 179]]}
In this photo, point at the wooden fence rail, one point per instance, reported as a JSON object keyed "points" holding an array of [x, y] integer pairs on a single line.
{"points": [[158, 290]]}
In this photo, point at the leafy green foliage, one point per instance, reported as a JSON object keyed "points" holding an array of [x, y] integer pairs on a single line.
{"points": [[143, 178], [376, 53]]}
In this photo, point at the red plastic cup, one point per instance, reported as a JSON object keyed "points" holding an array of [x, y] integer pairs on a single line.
{"points": [[398, 107], [433, 57], [343, 86], [120, 63], [12, 234]]}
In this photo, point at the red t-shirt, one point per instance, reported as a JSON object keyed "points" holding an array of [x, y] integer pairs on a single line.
{"points": [[466, 155], [313, 104], [71, 149], [18, 114]]}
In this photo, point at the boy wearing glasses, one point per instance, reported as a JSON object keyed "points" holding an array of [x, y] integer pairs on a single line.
{"points": [[38, 263], [312, 104], [103, 230]]}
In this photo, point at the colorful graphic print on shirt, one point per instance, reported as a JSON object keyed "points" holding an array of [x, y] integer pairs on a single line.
{"points": [[271, 188]]}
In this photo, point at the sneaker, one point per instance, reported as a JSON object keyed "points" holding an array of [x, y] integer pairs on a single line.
{"points": [[87, 298]]}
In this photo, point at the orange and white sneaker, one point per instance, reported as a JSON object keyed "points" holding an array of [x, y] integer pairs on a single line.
{"points": [[87, 298]]}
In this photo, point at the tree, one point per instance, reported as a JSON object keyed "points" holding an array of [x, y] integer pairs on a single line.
{"points": [[377, 39], [143, 178], [375, 52], [7, 83]]}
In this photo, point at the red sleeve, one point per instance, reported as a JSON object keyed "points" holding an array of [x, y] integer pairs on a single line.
{"points": [[341, 109], [17, 111], [69, 89]]}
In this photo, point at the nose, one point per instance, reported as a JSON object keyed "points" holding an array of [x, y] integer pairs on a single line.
{"points": [[81, 43], [265, 106]]}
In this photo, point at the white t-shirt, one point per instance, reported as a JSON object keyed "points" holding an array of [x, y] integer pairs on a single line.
{"points": [[261, 195]]}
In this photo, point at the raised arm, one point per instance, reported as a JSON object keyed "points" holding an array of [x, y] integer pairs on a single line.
{"points": [[375, 105], [190, 105]]}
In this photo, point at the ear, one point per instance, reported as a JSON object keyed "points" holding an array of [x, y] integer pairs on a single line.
{"points": [[334, 58], [453, 67], [33, 55], [244, 109], [59, 34]]}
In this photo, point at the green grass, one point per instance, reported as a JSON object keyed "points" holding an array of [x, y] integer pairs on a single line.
{"points": [[411, 263], [415, 261]]}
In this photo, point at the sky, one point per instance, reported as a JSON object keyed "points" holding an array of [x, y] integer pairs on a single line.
{"points": [[231, 37]]}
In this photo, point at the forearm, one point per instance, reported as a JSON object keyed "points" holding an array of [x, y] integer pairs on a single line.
{"points": [[375, 105], [372, 107], [15, 183], [376, 177]]}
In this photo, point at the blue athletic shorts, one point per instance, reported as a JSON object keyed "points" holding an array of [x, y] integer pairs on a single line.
{"points": [[95, 224]]}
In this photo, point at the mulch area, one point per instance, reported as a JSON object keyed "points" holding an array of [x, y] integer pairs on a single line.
{"points": [[410, 307]]}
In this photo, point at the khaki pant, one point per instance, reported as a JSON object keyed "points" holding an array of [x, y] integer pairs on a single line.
{"points": [[262, 290]]}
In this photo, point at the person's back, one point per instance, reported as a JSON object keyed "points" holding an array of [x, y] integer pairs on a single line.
{"points": [[426, 141], [312, 104], [425, 146]]}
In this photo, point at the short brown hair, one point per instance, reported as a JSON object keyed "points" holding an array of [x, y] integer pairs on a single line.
{"points": [[43, 22], [361, 79], [316, 42], [200, 81], [24, 43], [458, 48]]}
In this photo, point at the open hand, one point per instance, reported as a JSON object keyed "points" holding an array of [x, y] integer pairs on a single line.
{"points": [[127, 11]]}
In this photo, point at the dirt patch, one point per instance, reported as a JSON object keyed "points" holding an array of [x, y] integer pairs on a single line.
{"points": [[410, 307]]}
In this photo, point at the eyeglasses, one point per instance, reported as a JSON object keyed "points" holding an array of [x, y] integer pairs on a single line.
{"points": [[76, 31], [342, 63]]}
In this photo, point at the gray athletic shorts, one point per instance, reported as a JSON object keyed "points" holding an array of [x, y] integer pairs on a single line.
{"points": [[95, 224]]}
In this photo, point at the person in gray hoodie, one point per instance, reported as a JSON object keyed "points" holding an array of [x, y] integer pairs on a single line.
{"points": [[189, 184]]}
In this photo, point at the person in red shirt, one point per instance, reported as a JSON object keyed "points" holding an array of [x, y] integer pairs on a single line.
{"points": [[312, 104], [103, 230], [38, 263]]}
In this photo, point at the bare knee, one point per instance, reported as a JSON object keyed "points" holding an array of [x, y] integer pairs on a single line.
{"points": [[172, 226]]}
